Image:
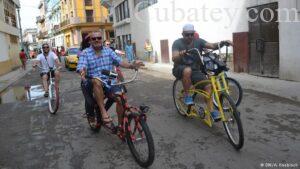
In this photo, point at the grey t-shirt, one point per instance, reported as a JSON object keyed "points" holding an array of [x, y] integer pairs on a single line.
{"points": [[192, 60]]}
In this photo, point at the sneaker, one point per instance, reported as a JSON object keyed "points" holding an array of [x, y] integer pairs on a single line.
{"points": [[215, 115], [46, 94], [188, 100]]}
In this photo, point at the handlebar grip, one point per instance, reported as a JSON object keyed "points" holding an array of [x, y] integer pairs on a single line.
{"points": [[105, 72], [109, 73]]}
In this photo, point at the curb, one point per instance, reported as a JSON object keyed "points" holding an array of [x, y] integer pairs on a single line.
{"points": [[12, 80], [279, 88]]}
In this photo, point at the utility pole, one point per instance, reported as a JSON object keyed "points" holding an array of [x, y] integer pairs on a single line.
{"points": [[21, 34]]}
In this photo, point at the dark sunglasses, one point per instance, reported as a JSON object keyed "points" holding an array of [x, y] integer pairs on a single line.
{"points": [[96, 38], [45, 47], [107, 44], [189, 34]]}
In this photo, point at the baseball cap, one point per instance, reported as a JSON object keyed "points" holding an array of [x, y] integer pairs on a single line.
{"points": [[188, 28]]}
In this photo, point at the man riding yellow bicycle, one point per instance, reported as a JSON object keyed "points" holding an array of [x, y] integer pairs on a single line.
{"points": [[189, 68]]}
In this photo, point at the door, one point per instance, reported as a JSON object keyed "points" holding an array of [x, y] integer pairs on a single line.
{"points": [[264, 40], [164, 49]]}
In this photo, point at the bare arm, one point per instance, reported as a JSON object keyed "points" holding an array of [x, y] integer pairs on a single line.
{"points": [[214, 46], [58, 64], [134, 65]]}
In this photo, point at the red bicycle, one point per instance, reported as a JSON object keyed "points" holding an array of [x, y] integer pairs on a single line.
{"points": [[134, 129]]}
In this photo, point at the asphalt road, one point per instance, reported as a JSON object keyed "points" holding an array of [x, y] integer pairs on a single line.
{"points": [[31, 138]]}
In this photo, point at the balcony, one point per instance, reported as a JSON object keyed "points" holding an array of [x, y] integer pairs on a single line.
{"points": [[10, 21], [106, 3], [42, 35], [40, 19], [81, 21]]}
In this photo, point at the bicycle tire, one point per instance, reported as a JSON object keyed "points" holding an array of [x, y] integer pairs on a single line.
{"points": [[53, 101], [149, 140], [176, 99], [233, 117], [236, 98]]}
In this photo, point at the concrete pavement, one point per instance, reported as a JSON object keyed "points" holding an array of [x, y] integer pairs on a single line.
{"points": [[286, 89], [11, 77]]}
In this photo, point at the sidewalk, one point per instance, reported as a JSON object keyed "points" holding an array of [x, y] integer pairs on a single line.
{"points": [[286, 89], [11, 77]]}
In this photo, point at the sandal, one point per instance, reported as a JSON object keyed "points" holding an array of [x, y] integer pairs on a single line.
{"points": [[108, 123]]}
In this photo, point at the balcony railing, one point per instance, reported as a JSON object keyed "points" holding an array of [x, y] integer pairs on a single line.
{"points": [[80, 20]]}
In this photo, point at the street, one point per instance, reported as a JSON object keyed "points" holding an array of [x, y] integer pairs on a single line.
{"points": [[31, 138]]}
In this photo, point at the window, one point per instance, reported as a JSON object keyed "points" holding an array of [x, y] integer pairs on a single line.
{"points": [[117, 14], [142, 4], [126, 9], [88, 2], [9, 13], [122, 11], [13, 39], [89, 15], [71, 13]]}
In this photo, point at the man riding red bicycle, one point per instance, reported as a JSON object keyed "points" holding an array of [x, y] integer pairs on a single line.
{"points": [[92, 62]]}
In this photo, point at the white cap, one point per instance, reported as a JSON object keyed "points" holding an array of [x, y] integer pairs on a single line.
{"points": [[188, 28]]}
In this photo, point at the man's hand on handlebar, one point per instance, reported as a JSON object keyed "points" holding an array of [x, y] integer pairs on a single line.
{"points": [[182, 52], [226, 43], [137, 64]]}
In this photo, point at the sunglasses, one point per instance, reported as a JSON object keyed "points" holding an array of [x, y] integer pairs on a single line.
{"points": [[96, 38], [107, 44], [45, 47], [189, 34]]}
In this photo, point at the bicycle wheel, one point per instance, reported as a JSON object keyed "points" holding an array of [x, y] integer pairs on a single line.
{"points": [[235, 92], [178, 97], [53, 99], [232, 124], [93, 117], [140, 141]]}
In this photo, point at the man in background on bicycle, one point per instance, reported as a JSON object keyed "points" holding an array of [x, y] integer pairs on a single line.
{"points": [[91, 62], [48, 59], [188, 67]]}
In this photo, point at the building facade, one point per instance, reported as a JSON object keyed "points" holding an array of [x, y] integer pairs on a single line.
{"points": [[41, 22], [53, 18], [9, 36], [30, 40], [80, 17]]}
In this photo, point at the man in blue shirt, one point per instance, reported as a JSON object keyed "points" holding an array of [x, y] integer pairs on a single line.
{"points": [[95, 59]]}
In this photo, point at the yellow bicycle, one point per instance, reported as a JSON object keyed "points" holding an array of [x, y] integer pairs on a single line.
{"points": [[226, 106]]}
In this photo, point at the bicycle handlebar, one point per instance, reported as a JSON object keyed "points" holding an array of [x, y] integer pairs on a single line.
{"points": [[114, 75]]}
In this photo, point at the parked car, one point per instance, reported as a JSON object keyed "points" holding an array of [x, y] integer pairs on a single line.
{"points": [[71, 58]]}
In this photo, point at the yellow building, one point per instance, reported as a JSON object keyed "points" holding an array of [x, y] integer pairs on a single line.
{"points": [[9, 36], [80, 17]]}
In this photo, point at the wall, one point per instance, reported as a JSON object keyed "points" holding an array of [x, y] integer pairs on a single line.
{"points": [[214, 20], [289, 33]]}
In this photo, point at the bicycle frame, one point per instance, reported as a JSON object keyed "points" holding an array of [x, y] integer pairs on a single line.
{"points": [[218, 84], [127, 109]]}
